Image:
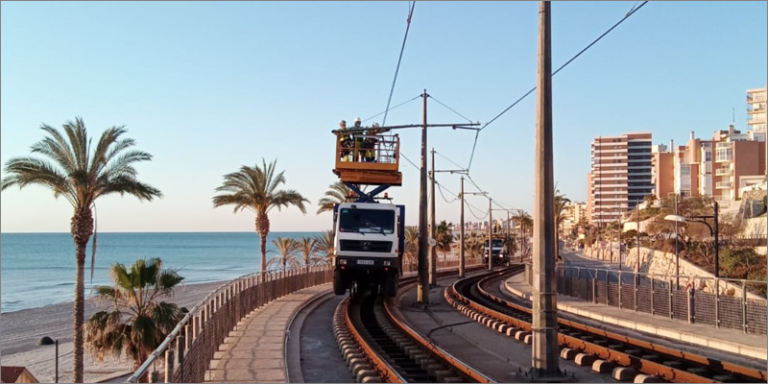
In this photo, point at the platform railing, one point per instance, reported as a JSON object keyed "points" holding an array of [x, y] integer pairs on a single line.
{"points": [[186, 353], [718, 302]]}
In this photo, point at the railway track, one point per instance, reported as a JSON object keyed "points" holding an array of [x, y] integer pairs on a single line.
{"points": [[623, 357], [378, 347]]}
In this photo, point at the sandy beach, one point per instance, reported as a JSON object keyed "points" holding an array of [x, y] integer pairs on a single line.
{"points": [[22, 329]]}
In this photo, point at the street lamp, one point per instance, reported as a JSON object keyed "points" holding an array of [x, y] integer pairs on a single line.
{"points": [[712, 231], [47, 341]]}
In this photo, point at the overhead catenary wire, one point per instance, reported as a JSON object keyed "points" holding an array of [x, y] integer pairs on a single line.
{"points": [[393, 108], [631, 12], [450, 109], [449, 160], [399, 60], [469, 207]]}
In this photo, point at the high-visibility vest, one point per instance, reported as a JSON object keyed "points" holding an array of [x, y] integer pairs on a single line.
{"points": [[344, 135]]}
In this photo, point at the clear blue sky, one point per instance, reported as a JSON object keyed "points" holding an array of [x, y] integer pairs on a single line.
{"points": [[208, 87]]}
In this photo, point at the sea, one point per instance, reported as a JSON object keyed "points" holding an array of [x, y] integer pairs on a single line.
{"points": [[38, 269]]}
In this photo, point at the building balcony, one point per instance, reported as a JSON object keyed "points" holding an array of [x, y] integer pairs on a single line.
{"points": [[759, 108], [755, 98], [723, 185], [723, 171]]}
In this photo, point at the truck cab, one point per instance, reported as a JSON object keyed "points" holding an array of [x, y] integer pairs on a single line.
{"points": [[498, 251], [368, 245]]}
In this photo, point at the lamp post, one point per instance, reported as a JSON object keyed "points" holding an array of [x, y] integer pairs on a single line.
{"points": [[712, 230], [47, 341]]}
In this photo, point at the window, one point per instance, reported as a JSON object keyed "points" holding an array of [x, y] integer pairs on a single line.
{"points": [[685, 170], [367, 220], [707, 156], [724, 154]]}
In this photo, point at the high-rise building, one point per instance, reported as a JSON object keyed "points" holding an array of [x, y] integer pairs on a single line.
{"points": [[662, 174], [620, 176], [756, 110]]}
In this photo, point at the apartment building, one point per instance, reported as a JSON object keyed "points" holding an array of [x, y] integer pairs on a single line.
{"points": [[663, 169], [620, 176], [718, 167], [573, 213], [756, 112]]}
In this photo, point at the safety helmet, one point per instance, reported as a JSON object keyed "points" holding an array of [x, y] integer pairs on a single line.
{"points": [[357, 120]]}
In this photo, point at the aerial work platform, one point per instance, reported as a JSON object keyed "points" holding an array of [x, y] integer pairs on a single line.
{"points": [[367, 157]]}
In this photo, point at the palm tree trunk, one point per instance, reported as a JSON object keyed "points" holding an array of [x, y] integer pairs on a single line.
{"points": [[262, 227], [82, 228]]}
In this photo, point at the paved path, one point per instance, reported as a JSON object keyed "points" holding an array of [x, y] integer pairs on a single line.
{"points": [[700, 335], [255, 350]]}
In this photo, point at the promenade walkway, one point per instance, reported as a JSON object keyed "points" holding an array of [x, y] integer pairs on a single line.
{"points": [[255, 350]]}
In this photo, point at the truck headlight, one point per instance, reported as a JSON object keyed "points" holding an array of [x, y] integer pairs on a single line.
{"points": [[386, 263], [342, 261]]}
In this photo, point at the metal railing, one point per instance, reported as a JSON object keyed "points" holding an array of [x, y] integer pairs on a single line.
{"points": [[722, 303], [188, 350], [372, 148]]}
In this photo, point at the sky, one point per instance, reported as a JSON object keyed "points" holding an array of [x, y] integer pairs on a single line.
{"points": [[207, 87]]}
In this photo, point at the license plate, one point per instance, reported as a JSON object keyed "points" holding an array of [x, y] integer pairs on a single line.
{"points": [[365, 262]]}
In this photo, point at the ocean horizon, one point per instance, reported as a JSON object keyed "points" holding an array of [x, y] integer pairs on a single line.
{"points": [[38, 269]]}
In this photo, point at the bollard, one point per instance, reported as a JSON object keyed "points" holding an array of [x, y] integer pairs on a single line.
{"points": [[168, 365]]}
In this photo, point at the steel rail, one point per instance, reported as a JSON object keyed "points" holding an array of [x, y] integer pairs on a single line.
{"points": [[622, 358], [387, 371]]}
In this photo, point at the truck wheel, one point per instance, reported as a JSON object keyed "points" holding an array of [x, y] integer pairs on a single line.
{"points": [[391, 285], [338, 284]]}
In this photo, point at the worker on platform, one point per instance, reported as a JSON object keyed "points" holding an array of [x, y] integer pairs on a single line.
{"points": [[369, 144], [345, 140]]}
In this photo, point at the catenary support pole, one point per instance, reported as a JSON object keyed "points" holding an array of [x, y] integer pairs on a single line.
{"points": [[544, 364], [422, 290]]}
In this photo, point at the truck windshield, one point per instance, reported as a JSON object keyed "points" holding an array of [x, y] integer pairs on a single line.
{"points": [[496, 243], [366, 220]]}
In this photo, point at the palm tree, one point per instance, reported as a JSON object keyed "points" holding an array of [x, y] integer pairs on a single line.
{"points": [[81, 176], [524, 221], [138, 323], [560, 202], [255, 189], [337, 193], [444, 237], [324, 246], [411, 251], [307, 246], [286, 253]]}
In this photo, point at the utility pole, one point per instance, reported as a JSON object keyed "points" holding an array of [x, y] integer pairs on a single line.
{"points": [[433, 231], [461, 246], [422, 290], [545, 356], [490, 234]]}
